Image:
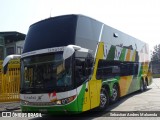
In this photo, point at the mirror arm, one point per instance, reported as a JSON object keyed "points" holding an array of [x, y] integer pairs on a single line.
{"points": [[6, 61]]}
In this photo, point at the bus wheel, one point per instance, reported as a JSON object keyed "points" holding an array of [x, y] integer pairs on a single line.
{"points": [[145, 85], [115, 94], [141, 86], [104, 99]]}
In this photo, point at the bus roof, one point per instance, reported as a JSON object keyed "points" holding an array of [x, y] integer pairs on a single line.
{"points": [[77, 30]]}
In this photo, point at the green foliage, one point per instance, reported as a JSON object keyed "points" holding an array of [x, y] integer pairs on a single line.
{"points": [[156, 53]]}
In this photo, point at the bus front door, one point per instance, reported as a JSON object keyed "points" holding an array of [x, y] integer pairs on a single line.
{"points": [[93, 93]]}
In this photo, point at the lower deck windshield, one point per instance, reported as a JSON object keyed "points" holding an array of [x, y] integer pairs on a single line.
{"points": [[45, 73]]}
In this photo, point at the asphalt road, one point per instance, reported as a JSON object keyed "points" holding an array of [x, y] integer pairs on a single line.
{"points": [[134, 105]]}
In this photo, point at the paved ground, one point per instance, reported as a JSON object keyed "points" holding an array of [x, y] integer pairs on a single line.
{"points": [[9, 106], [146, 101]]}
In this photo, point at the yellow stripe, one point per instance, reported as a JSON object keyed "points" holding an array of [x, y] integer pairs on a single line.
{"points": [[134, 56], [124, 84], [94, 85], [128, 55]]}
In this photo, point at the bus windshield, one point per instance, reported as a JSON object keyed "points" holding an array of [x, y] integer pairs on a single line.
{"points": [[45, 73]]}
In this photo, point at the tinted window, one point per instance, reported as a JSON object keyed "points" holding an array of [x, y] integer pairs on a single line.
{"points": [[87, 34], [129, 68], [83, 69], [46, 72], [108, 69], [52, 32]]}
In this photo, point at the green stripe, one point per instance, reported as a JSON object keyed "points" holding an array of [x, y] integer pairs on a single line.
{"points": [[81, 97], [123, 53], [111, 53]]}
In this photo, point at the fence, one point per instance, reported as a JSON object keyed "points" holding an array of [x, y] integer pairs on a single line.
{"points": [[10, 82]]}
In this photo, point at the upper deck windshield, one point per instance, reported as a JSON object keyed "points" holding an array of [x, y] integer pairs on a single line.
{"points": [[45, 73], [52, 32]]}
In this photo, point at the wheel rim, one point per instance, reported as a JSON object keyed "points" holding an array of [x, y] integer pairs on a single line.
{"points": [[103, 99], [145, 85], [114, 96]]}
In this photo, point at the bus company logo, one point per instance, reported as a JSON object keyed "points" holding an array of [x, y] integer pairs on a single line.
{"points": [[30, 97], [118, 51], [39, 98], [106, 49], [52, 96]]}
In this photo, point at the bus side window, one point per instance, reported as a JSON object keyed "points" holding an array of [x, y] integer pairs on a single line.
{"points": [[124, 69], [129, 68], [80, 70], [135, 69], [115, 70], [89, 66], [107, 69]]}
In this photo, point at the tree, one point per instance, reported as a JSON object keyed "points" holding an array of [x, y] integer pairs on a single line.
{"points": [[156, 53]]}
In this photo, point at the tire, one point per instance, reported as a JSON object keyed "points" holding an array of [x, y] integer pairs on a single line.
{"points": [[115, 94], [141, 86], [104, 99], [145, 85]]}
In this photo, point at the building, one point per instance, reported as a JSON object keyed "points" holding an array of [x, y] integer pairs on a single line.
{"points": [[11, 43]]}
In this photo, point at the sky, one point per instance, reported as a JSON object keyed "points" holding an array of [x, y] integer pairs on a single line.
{"points": [[138, 18]]}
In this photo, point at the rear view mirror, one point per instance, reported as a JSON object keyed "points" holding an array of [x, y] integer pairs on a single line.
{"points": [[6, 61], [70, 49]]}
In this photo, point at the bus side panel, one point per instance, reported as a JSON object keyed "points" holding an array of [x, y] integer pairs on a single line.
{"points": [[94, 84], [84, 98], [125, 84]]}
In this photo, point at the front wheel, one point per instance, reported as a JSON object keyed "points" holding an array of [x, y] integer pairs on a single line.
{"points": [[104, 99]]}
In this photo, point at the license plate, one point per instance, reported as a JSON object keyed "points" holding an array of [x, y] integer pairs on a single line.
{"points": [[43, 110]]}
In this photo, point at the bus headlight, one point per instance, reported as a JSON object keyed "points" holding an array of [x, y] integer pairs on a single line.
{"points": [[66, 100], [58, 102]]}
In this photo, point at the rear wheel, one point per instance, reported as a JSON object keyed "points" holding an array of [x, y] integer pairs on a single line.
{"points": [[104, 99], [143, 85], [115, 94]]}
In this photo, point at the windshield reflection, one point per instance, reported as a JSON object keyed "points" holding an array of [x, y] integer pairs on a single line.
{"points": [[46, 72]]}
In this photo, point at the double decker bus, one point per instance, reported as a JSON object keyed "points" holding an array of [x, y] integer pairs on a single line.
{"points": [[73, 63]]}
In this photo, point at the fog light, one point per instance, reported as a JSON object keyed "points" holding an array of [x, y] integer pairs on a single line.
{"points": [[58, 102]]}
